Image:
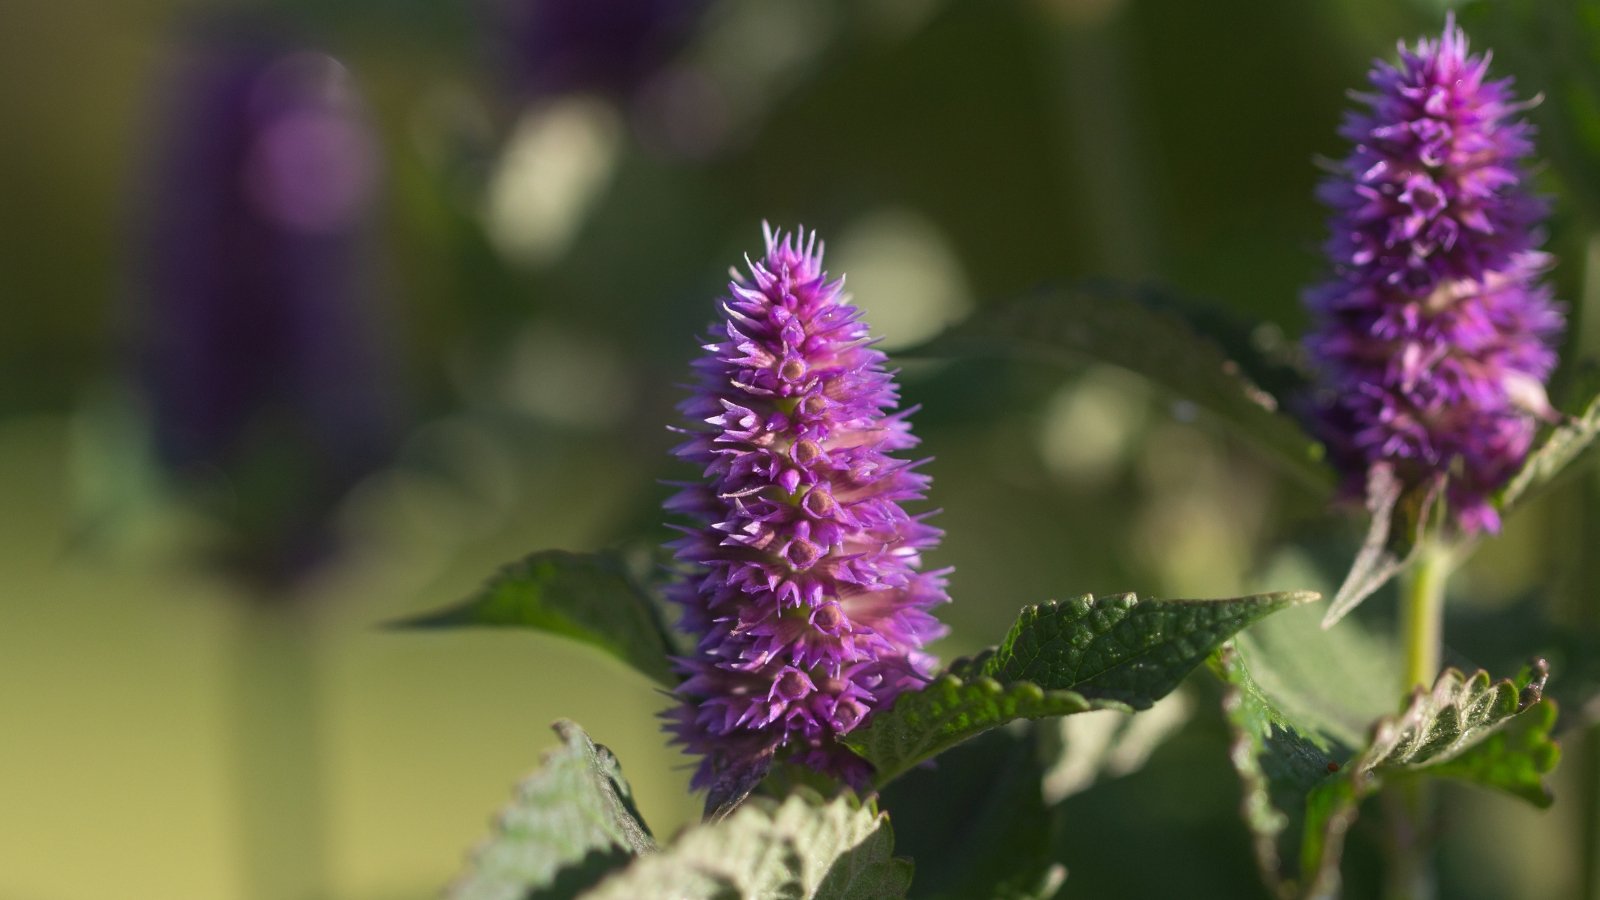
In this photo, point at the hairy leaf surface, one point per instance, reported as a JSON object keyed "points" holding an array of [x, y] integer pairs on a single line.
{"points": [[1113, 652], [1303, 787], [569, 823], [801, 848]]}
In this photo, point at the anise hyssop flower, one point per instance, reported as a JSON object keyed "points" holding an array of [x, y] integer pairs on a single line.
{"points": [[1434, 332], [803, 590]]}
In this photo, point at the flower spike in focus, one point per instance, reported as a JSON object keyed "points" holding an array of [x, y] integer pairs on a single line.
{"points": [[804, 594]]}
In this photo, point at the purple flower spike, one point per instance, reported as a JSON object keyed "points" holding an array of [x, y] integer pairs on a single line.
{"points": [[804, 597], [1435, 334]]}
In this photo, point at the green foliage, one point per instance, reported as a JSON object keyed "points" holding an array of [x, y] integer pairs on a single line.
{"points": [[1112, 652], [922, 724], [1398, 516], [803, 847], [1134, 332], [589, 597], [1560, 449], [977, 824], [1303, 787], [568, 825]]}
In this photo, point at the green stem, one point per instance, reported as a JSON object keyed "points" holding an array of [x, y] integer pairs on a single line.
{"points": [[1422, 615], [1411, 803], [277, 788]]}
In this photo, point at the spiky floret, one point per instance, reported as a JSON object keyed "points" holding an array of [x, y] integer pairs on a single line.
{"points": [[804, 594], [1434, 332]]}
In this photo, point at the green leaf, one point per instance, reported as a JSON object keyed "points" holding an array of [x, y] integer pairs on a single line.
{"points": [[978, 825], [1303, 787], [568, 825], [801, 848], [588, 597], [1563, 445], [1514, 759], [923, 724], [1128, 330], [1064, 657], [1399, 517]]}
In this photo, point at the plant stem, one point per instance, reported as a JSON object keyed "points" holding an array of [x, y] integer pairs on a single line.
{"points": [[1422, 614], [277, 777], [1410, 804]]}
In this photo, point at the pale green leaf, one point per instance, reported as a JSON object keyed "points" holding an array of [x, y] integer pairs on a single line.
{"points": [[804, 847], [569, 823]]}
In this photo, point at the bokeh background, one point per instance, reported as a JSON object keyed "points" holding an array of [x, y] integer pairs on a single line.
{"points": [[518, 228]]}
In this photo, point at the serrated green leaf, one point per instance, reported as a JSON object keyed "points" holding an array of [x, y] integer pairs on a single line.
{"points": [[922, 724], [588, 597], [978, 825], [1279, 764], [1120, 646], [801, 848], [1064, 657], [1123, 328], [1560, 448], [569, 824], [1514, 759], [1303, 788]]}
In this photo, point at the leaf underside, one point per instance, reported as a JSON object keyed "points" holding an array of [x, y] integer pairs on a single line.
{"points": [[568, 825], [803, 847], [1110, 652], [1303, 788]]}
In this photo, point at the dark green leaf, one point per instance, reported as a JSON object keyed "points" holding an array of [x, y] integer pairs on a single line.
{"points": [[1303, 788], [978, 825], [569, 824], [1112, 652], [922, 724], [801, 848], [1125, 330], [589, 597]]}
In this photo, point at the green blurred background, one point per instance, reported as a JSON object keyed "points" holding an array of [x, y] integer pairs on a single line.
{"points": [[546, 269]]}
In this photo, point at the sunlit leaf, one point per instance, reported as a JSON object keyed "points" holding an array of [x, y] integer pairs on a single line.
{"points": [[1112, 652], [1303, 787], [588, 597], [803, 847], [568, 825]]}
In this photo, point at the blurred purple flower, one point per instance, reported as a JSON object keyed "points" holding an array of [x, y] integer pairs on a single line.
{"points": [[805, 599], [1434, 332], [603, 46], [258, 358]]}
